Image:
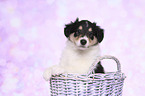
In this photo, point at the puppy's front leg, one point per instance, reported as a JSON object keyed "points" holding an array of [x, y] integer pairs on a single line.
{"points": [[54, 70], [57, 69], [47, 74]]}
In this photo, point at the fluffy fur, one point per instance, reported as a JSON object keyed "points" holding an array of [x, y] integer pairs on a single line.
{"points": [[82, 48]]}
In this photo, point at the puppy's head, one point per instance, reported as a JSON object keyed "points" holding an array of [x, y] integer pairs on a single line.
{"points": [[84, 33]]}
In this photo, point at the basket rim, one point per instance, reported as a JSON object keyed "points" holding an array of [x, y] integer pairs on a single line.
{"points": [[97, 76]]}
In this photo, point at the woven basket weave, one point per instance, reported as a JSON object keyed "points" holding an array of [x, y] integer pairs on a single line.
{"points": [[108, 84]]}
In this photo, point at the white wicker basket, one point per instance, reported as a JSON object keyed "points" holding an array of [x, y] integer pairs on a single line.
{"points": [[108, 84]]}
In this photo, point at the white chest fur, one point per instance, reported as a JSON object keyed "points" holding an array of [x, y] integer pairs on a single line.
{"points": [[78, 61]]}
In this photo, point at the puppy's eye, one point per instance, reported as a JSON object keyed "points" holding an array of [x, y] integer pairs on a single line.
{"points": [[91, 36], [77, 33]]}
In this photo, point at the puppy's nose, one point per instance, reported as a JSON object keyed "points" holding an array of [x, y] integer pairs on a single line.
{"points": [[83, 41]]}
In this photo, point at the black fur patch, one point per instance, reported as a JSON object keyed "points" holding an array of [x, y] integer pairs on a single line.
{"points": [[99, 68]]}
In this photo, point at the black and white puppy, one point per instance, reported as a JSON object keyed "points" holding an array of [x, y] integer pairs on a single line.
{"points": [[82, 48]]}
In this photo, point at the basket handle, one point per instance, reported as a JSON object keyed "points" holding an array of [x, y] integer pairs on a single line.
{"points": [[99, 58]]}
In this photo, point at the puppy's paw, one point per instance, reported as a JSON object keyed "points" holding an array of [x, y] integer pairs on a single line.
{"points": [[47, 74], [56, 70]]}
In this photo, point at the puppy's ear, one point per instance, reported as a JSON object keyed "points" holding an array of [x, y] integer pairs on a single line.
{"points": [[99, 33], [70, 28]]}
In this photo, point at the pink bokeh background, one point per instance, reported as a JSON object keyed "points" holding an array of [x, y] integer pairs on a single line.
{"points": [[32, 39]]}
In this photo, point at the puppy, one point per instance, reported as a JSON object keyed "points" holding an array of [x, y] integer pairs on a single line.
{"points": [[82, 48]]}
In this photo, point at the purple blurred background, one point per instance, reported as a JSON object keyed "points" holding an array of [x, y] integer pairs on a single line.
{"points": [[32, 39]]}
